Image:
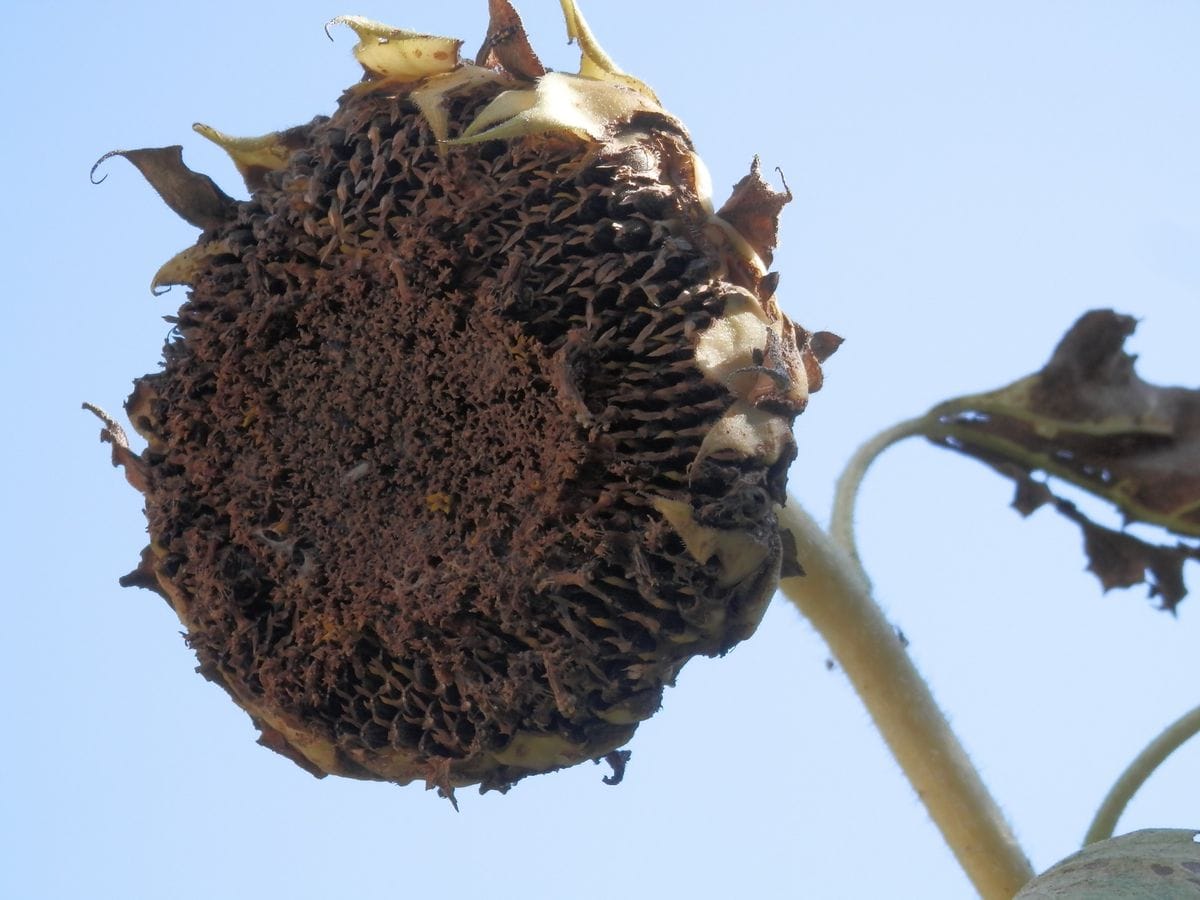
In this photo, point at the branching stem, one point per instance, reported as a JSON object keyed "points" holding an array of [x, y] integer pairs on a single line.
{"points": [[1135, 775], [834, 596]]}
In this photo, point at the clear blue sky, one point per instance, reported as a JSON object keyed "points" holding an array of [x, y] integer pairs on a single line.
{"points": [[968, 178]]}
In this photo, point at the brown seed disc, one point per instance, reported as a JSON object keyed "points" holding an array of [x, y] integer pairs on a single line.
{"points": [[425, 478]]}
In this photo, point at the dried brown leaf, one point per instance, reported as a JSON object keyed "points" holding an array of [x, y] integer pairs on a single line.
{"points": [[1088, 419], [1121, 560], [1031, 495]]}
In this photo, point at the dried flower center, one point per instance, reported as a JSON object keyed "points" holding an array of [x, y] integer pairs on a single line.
{"points": [[475, 431]]}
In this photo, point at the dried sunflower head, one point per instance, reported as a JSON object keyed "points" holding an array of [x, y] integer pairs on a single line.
{"points": [[476, 418]]}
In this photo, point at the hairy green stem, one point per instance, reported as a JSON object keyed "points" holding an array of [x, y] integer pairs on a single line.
{"points": [[841, 524], [1135, 775], [834, 597]]}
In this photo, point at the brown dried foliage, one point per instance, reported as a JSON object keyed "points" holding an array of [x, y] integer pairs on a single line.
{"points": [[1088, 419]]}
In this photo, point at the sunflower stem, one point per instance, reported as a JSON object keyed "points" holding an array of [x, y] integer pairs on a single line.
{"points": [[1143, 766], [841, 524], [833, 595]]}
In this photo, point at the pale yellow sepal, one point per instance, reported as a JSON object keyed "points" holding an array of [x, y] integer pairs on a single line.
{"points": [[395, 54], [737, 552], [183, 267], [249, 153], [730, 342], [594, 62], [430, 97], [748, 433], [722, 233], [558, 103], [537, 752]]}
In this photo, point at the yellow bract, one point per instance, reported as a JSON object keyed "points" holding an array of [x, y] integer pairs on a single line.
{"points": [[396, 54], [249, 154], [594, 62], [587, 105], [738, 553], [430, 97], [559, 102], [183, 267]]}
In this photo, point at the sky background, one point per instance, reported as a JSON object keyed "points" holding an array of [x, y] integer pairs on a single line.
{"points": [[968, 178]]}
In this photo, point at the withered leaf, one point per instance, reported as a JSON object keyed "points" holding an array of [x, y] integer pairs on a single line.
{"points": [[1087, 418], [192, 196], [1031, 495], [753, 209], [1121, 560]]}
